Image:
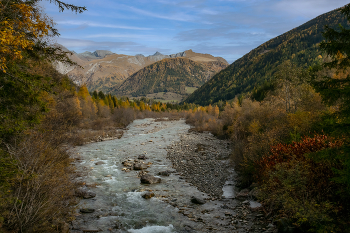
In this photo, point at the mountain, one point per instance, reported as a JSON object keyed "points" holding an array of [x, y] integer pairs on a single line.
{"points": [[64, 68], [174, 75], [105, 71], [300, 45], [98, 54]]}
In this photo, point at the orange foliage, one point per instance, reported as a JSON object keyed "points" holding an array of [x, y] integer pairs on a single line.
{"points": [[14, 32], [297, 150]]}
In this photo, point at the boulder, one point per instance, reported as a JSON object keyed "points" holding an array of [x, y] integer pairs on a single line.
{"points": [[87, 210], [149, 179], [140, 166], [84, 193], [143, 157], [243, 194], [127, 164], [164, 173], [254, 205], [100, 163], [197, 200], [148, 195]]}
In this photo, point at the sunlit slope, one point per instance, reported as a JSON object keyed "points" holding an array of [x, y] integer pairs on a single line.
{"points": [[300, 45], [169, 75]]}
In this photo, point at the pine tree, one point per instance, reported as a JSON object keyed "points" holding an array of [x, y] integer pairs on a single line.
{"points": [[335, 89]]}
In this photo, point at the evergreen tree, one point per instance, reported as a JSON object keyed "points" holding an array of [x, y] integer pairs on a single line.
{"points": [[335, 89], [101, 95]]}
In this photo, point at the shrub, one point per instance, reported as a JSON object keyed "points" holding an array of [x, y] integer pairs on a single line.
{"points": [[297, 182], [40, 192]]}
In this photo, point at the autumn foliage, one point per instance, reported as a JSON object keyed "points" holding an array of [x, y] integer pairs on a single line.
{"points": [[297, 182], [282, 153], [19, 30]]}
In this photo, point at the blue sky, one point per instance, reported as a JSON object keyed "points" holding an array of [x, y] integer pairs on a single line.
{"points": [[225, 28]]}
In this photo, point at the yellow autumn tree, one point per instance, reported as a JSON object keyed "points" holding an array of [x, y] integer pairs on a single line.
{"points": [[15, 28], [83, 92], [155, 107], [142, 106], [216, 111], [147, 107], [88, 106], [163, 107]]}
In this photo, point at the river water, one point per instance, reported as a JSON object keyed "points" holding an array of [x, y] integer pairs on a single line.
{"points": [[118, 205]]}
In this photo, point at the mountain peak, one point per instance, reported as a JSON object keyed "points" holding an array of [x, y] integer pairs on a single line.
{"points": [[157, 54]]}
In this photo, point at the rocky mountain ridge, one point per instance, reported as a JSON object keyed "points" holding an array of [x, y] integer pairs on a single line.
{"points": [[169, 75], [108, 70]]}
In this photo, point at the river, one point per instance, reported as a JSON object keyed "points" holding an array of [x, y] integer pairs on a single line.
{"points": [[119, 205]]}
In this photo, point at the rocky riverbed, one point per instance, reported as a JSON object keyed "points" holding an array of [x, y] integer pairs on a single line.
{"points": [[159, 177], [203, 160]]}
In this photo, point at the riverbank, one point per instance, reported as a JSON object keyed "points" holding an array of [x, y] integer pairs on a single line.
{"points": [[196, 192], [203, 160]]}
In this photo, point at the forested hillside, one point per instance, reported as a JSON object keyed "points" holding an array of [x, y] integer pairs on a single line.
{"points": [[300, 45], [169, 75]]}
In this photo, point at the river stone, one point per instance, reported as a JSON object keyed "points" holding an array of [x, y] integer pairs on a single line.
{"points": [[87, 210], [254, 205], [149, 179], [243, 194], [142, 157], [86, 194], [140, 166], [197, 200], [100, 163], [127, 164], [90, 230], [164, 173], [148, 195]]}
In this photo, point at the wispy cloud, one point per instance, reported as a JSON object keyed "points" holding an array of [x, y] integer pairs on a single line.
{"points": [[172, 16], [140, 37], [130, 48], [227, 28], [103, 25]]}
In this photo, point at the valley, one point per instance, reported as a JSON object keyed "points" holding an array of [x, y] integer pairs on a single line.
{"points": [[120, 74], [106, 141], [119, 203]]}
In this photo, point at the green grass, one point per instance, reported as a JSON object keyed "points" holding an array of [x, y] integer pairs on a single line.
{"points": [[190, 90]]}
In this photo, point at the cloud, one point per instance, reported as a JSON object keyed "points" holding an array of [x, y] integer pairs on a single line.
{"points": [[227, 28], [230, 34], [307, 8], [140, 37], [177, 16], [127, 47], [103, 25], [228, 51], [78, 43]]}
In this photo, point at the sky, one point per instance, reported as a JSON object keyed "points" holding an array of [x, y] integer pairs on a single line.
{"points": [[224, 28]]}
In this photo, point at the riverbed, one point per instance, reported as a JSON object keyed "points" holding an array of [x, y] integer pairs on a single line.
{"points": [[168, 146]]}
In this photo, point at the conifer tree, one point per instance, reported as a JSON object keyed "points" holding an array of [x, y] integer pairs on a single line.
{"points": [[336, 89]]}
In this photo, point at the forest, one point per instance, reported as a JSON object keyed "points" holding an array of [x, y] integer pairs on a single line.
{"points": [[258, 67], [291, 139], [290, 136]]}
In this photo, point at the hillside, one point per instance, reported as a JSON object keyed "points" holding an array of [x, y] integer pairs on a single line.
{"points": [[300, 45], [104, 71], [170, 75]]}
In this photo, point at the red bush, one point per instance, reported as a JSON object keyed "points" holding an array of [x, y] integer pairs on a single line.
{"points": [[297, 150]]}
